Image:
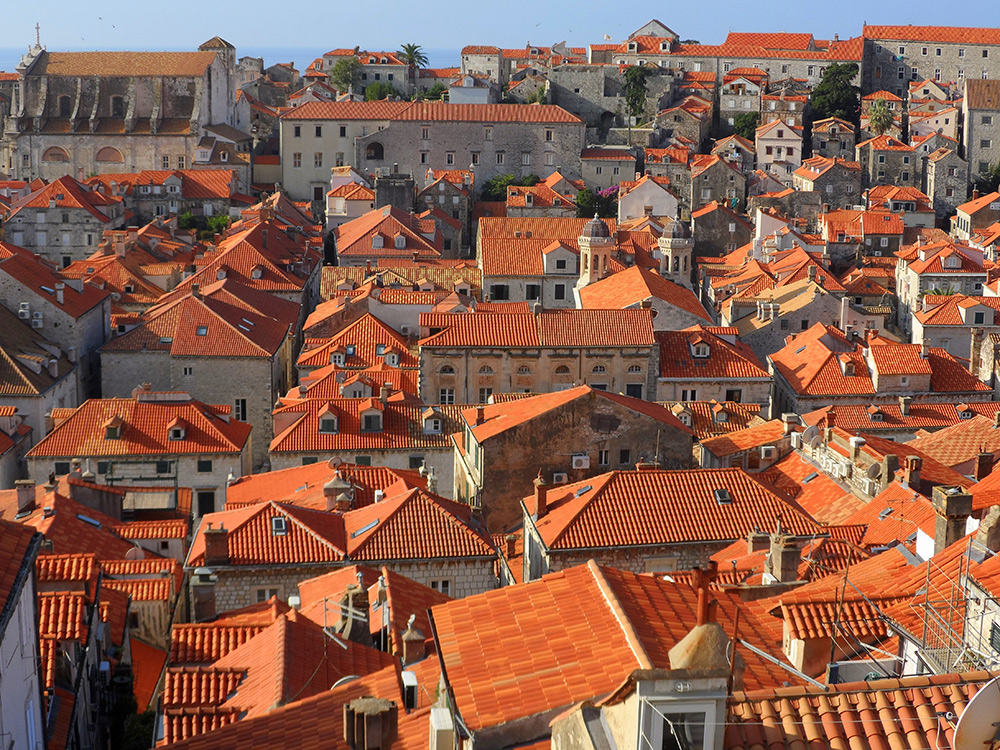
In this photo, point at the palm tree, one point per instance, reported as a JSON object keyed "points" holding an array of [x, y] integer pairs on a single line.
{"points": [[880, 117], [413, 55]]}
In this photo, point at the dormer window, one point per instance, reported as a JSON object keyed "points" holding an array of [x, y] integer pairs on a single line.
{"points": [[849, 369], [177, 433], [279, 526], [371, 422], [377, 241], [328, 424], [432, 426], [721, 416], [392, 359], [256, 272], [112, 432], [399, 242], [337, 358], [685, 418], [700, 350]]}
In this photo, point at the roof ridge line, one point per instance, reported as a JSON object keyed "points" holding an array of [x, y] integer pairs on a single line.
{"points": [[635, 645], [308, 529]]}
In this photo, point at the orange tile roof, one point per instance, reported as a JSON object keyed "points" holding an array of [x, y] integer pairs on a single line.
{"points": [[16, 542], [42, 280], [662, 507], [976, 204], [365, 336], [205, 643], [500, 417], [741, 440], [75, 567], [885, 143], [402, 426], [727, 357], [68, 193], [145, 429], [705, 422], [894, 515], [635, 284], [542, 196], [814, 491], [427, 111], [961, 442], [589, 626], [123, 64], [147, 666], [941, 34], [355, 238], [410, 523], [550, 328]]}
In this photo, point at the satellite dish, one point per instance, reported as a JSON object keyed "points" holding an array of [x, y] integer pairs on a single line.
{"points": [[335, 462], [135, 553], [873, 471], [810, 432], [976, 728], [816, 442]]}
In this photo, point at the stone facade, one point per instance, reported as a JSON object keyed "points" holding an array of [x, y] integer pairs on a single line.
{"points": [[947, 178], [886, 161], [833, 138], [595, 93], [720, 181], [592, 433], [718, 231], [86, 113], [838, 184], [981, 118], [893, 58]]}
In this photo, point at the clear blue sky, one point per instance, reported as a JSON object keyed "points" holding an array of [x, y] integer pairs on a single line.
{"points": [[438, 24]]}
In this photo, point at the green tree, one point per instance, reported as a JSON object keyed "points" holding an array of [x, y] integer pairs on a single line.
{"points": [[603, 203], [413, 55], [880, 117], [435, 92], [745, 125], [378, 90], [836, 95], [496, 189], [635, 89], [345, 74], [988, 181]]}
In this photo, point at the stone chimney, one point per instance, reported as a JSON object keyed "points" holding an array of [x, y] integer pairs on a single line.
{"points": [[196, 290], [480, 415], [60, 293], [811, 272], [370, 723], [783, 561], [984, 465], [856, 444], [988, 533], [890, 465], [788, 422], [510, 546], [338, 493], [904, 405], [414, 644], [54, 368], [384, 392], [216, 546], [953, 507], [757, 541], [911, 472], [541, 496], [25, 494], [353, 622]]}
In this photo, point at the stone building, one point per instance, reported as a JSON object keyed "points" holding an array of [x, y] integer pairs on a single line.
{"points": [[157, 439], [74, 315], [560, 437], [718, 230], [602, 168], [380, 67], [896, 55], [83, 113], [937, 268], [833, 138], [788, 107], [740, 94], [663, 520], [594, 93], [241, 547], [951, 322], [981, 118], [466, 358], [484, 59], [495, 139], [158, 193], [671, 305], [647, 196], [779, 149], [715, 179], [887, 161], [64, 220], [737, 150], [836, 180], [210, 346]]}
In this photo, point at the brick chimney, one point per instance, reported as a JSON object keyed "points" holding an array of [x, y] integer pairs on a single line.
{"points": [[911, 472], [216, 546], [984, 465], [510, 547], [541, 496], [25, 494], [783, 562], [953, 507], [480, 415]]}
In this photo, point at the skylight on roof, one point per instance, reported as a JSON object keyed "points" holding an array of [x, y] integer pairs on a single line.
{"points": [[243, 327], [800, 350], [364, 529], [88, 519], [884, 513], [202, 331], [810, 477]]}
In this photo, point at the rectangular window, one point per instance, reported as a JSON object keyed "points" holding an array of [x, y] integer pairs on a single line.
{"points": [[425, 134], [103, 466], [634, 390], [484, 395], [549, 134], [604, 458], [449, 157], [442, 585], [60, 468], [985, 143], [423, 157], [734, 394], [488, 134], [689, 394], [240, 409], [550, 159], [475, 158], [532, 292], [343, 131], [264, 594], [499, 293], [319, 131], [204, 465], [416, 462], [625, 457], [995, 637], [318, 159], [317, 192], [166, 162], [162, 467], [446, 396], [188, 371], [598, 170], [804, 324], [525, 158], [309, 460], [499, 157], [363, 460], [961, 52], [297, 131], [297, 160], [560, 291]]}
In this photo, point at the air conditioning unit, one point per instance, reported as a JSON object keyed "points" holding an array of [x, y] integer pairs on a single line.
{"points": [[768, 451], [581, 461], [37, 323], [796, 439], [37, 314], [24, 313], [560, 477]]}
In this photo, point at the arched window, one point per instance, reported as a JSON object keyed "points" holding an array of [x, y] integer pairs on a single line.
{"points": [[55, 153], [447, 370], [599, 370], [562, 370], [375, 151], [634, 370], [523, 370], [485, 370], [110, 154], [65, 106]]}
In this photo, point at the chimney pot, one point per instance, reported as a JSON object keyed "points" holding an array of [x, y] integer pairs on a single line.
{"points": [[216, 546], [25, 493], [414, 645], [541, 496], [480, 415]]}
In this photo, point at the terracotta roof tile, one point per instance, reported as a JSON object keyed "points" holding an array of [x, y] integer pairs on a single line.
{"points": [[727, 357], [630, 287]]}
